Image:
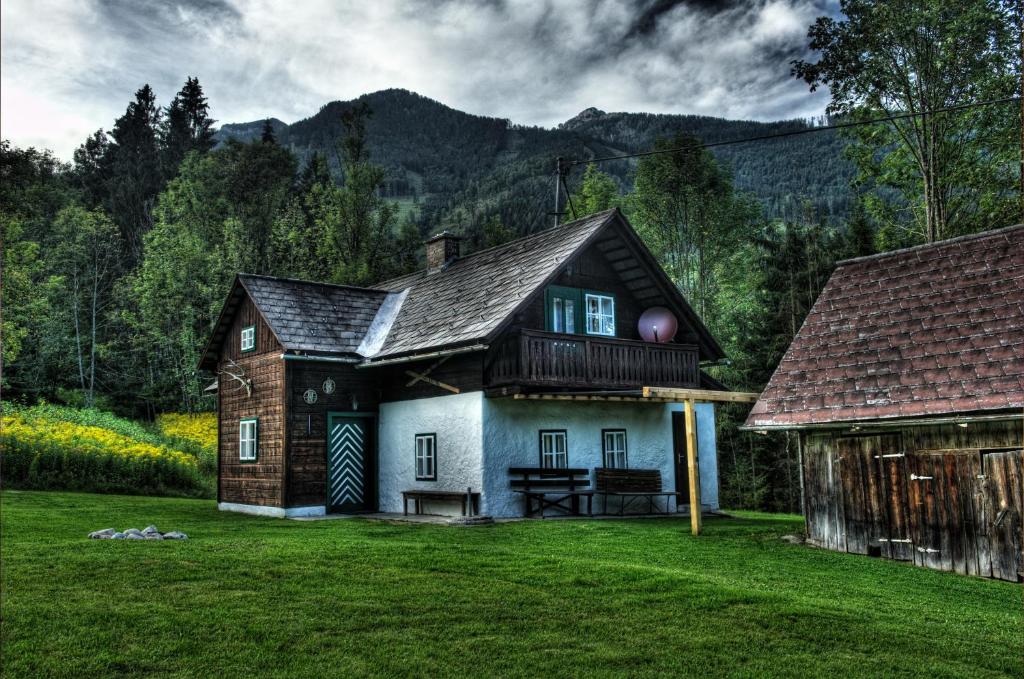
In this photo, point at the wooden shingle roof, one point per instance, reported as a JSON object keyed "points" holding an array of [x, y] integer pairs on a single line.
{"points": [[928, 331], [467, 300]]}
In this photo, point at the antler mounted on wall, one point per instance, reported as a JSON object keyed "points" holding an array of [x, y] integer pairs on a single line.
{"points": [[237, 373]]}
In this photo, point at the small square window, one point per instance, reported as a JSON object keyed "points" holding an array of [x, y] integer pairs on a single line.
{"points": [[554, 450], [614, 448], [426, 457], [249, 338], [248, 440], [600, 314]]}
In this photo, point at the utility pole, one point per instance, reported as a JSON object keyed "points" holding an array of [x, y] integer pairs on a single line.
{"points": [[561, 168]]}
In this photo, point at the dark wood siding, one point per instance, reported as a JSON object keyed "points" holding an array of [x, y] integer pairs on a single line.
{"points": [[462, 371], [942, 496], [259, 482], [591, 271], [307, 424]]}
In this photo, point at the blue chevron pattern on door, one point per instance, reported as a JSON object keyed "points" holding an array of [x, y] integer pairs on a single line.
{"points": [[346, 462]]}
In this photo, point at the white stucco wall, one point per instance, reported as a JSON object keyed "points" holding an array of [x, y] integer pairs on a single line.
{"points": [[457, 421], [511, 431]]}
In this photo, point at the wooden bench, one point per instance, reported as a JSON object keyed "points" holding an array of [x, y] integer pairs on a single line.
{"points": [[630, 485], [417, 496], [558, 489]]}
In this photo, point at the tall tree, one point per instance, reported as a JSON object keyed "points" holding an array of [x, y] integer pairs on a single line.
{"points": [[91, 171], [267, 135], [954, 172], [686, 211], [186, 127], [597, 192], [135, 178], [356, 221], [85, 260]]}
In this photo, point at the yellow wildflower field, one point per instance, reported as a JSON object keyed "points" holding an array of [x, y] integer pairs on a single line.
{"points": [[41, 432], [200, 428]]}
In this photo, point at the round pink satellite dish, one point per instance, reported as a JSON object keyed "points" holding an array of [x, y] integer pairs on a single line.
{"points": [[657, 324]]}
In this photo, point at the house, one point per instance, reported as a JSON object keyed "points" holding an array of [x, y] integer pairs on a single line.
{"points": [[906, 385], [335, 398]]}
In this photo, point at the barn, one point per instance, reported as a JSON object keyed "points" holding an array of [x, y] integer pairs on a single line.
{"points": [[906, 386]]}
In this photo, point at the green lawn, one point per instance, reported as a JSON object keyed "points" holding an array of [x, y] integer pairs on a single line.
{"points": [[249, 597]]}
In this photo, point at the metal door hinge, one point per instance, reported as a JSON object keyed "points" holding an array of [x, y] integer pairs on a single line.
{"points": [[879, 457], [903, 540], [915, 477], [928, 550]]}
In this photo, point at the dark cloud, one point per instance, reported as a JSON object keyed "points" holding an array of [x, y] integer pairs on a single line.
{"points": [[70, 67]]}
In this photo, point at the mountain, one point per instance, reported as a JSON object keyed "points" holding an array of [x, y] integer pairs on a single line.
{"points": [[458, 170]]}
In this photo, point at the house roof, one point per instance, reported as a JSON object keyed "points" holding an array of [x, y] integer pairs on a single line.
{"points": [[317, 318], [927, 331], [468, 301]]}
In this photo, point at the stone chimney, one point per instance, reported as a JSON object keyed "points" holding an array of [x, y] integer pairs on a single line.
{"points": [[442, 249]]}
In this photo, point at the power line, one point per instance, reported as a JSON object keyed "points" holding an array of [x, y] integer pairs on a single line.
{"points": [[793, 133]]}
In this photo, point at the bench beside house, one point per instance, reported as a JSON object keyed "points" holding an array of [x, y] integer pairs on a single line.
{"points": [[905, 386], [337, 398]]}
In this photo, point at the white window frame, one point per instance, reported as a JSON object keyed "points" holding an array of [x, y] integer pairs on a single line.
{"points": [[426, 457], [248, 338], [603, 322], [554, 449], [248, 439], [613, 449]]}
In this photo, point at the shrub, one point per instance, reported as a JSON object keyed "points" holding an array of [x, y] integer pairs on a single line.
{"points": [[50, 447]]}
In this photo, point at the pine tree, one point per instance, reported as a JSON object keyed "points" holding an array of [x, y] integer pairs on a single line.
{"points": [[267, 136], [187, 127], [135, 177], [91, 169]]}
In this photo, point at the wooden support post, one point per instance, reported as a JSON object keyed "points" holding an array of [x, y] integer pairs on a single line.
{"points": [[691, 465]]}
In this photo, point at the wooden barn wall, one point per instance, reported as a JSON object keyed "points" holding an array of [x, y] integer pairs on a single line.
{"points": [[307, 424], [941, 496], [260, 482]]}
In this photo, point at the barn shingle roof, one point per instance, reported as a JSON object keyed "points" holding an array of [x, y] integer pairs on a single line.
{"points": [[927, 331]]}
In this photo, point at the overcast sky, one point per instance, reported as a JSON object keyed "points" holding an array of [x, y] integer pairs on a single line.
{"points": [[71, 66]]}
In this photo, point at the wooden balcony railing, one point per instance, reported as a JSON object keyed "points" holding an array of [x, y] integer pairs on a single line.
{"points": [[535, 358]]}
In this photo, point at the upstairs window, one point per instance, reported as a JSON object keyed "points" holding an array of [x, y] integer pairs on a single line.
{"points": [[249, 338], [562, 308], [247, 440], [600, 314], [426, 457], [614, 448], [554, 451]]}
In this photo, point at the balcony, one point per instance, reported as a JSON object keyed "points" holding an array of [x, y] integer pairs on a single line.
{"points": [[545, 359]]}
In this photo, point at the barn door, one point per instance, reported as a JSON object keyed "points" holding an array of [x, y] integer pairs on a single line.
{"points": [[349, 464], [1001, 507], [944, 514], [871, 503]]}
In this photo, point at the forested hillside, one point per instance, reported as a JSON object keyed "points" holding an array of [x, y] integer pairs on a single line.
{"points": [[461, 170]]}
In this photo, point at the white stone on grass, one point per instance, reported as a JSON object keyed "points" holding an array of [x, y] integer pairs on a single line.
{"points": [[104, 534]]}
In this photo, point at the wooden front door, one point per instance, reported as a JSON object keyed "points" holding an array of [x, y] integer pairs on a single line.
{"points": [[679, 453], [350, 464]]}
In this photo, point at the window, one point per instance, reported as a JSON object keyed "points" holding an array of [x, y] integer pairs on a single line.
{"points": [[249, 338], [614, 448], [247, 440], [426, 457], [554, 452], [600, 314], [562, 309]]}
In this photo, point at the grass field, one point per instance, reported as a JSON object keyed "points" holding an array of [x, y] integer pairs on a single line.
{"points": [[249, 597]]}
